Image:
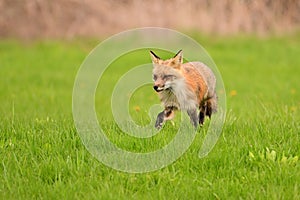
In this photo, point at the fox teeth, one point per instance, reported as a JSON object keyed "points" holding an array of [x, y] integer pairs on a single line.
{"points": [[160, 88]]}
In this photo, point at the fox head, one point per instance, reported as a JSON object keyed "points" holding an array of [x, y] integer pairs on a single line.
{"points": [[166, 73]]}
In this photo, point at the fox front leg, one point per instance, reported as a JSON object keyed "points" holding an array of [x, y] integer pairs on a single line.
{"points": [[193, 116], [167, 114], [159, 120]]}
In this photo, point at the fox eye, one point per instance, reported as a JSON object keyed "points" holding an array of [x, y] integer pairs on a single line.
{"points": [[169, 77], [154, 77]]}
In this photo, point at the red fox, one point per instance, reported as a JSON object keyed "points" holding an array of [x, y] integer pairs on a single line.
{"points": [[185, 87]]}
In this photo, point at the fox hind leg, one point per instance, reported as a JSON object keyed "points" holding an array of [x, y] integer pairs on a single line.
{"points": [[208, 108], [202, 113], [211, 106]]}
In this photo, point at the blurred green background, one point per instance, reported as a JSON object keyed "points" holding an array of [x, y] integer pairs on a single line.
{"points": [[256, 46]]}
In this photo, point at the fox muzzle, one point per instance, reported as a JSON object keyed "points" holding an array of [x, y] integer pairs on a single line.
{"points": [[157, 88]]}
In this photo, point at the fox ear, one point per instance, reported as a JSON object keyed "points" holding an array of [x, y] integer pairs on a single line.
{"points": [[178, 57], [154, 57]]}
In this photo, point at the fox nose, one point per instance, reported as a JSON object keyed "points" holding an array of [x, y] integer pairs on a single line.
{"points": [[155, 87]]}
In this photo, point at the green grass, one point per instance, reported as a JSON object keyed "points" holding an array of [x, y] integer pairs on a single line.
{"points": [[43, 157]]}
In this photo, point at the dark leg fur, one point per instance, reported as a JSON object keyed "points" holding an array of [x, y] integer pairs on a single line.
{"points": [[212, 105], [163, 116], [202, 114], [208, 109], [160, 120]]}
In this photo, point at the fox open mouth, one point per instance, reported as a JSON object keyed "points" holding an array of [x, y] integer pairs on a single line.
{"points": [[158, 89]]}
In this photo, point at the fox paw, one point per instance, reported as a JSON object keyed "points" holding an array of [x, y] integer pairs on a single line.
{"points": [[158, 125]]}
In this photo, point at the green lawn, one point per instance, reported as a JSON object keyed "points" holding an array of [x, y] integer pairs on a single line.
{"points": [[256, 157]]}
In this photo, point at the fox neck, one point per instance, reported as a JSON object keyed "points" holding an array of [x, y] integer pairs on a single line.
{"points": [[179, 96]]}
